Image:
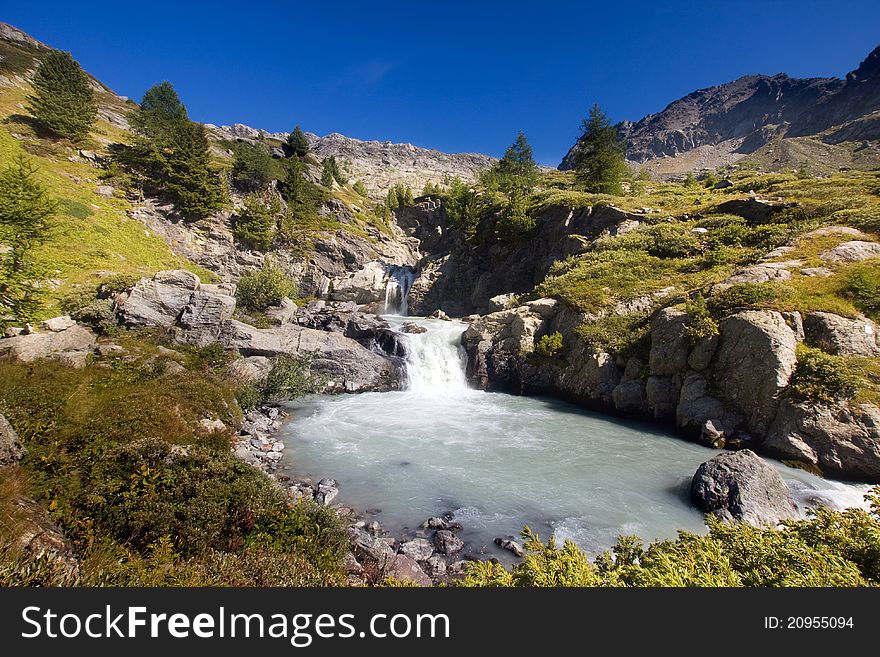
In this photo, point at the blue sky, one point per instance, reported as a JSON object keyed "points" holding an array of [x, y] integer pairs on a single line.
{"points": [[453, 76]]}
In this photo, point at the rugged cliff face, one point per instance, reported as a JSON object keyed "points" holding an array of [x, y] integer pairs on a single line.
{"points": [[461, 278]]}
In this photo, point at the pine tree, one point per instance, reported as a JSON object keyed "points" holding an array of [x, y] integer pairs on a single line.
{"points": [[328, 171], [159, 112], [256, 224], [359, 189], [298, 142], [518, 162], [27, 215], [252, 167], [391, 200], [408, 199], [63, 100], [599, 156], [172, 154]]}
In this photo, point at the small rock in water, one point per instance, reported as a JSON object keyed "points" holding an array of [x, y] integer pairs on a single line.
{"points": [[507, 544], [439, 314], [412, 327], [447, 543]]}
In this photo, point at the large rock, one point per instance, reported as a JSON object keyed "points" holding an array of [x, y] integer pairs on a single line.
{"points": [[159, 301], [365, 285], [31, 346], [447, 543], [250, 369], [841, 440], [348, 365], [696, 407], [406, 569], [852, 252], [753, 364], [203, 316], [669, 344], [760, 273], [11, 449], [742, 486], [841, 335]]}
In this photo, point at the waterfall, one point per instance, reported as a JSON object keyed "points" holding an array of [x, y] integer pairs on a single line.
{"points": [[435, 360], [400, 280]]}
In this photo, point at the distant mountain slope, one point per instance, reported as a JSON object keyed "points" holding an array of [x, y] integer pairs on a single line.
{"points": [[378, 164], [740, 117]]}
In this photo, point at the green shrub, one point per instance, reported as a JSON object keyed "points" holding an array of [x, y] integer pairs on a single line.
{"points": [[862, 287], [100, 315], [617, 334], [822, 377], [740, 297], [700, 323], [264, 287], [550, 345], [462, 208], [828, 548]]}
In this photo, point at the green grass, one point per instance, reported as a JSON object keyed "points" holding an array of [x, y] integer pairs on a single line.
{"points": [[94, 237]]}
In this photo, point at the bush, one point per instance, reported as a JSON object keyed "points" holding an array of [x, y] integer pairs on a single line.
{"points": [[550, 346], [289, 378], [700, 323], [252, 167], [462, 208], [862, 286], [100, 315], [740, 297], [829, 548], [822, 377], [264, 287]]}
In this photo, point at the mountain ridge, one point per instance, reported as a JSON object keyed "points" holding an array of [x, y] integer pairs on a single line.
{"points": [[754, 110]]}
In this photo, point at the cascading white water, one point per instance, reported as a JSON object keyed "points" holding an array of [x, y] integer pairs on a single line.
{"points": [[435, 360], [400, 280]]}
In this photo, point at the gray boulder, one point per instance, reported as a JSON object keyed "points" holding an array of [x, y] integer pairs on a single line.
{"points": [[741, 486], [841, 440], [31, 346], [250, 369], [841, 335], [406, 569], [418, 549], [348, 365], [447, 543], [852, 252], [57, 324], [159, 301], [11, 449], [669, 344], [753, 364]]}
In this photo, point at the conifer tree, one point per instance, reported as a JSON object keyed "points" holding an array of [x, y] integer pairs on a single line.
{"points": [[519, 162], [63, 100], [256, 223], [27, 215], [599, 156], [359, 188], [172, 154], [298, 142], [328, 171]]}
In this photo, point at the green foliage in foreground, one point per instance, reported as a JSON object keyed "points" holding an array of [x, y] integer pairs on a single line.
{"points": [[829, 548], [550, 345], [264, 287], [63, 100], [147, 496]]}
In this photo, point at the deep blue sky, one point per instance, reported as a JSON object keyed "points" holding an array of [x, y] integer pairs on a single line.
{"points": [[454, 76]]}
